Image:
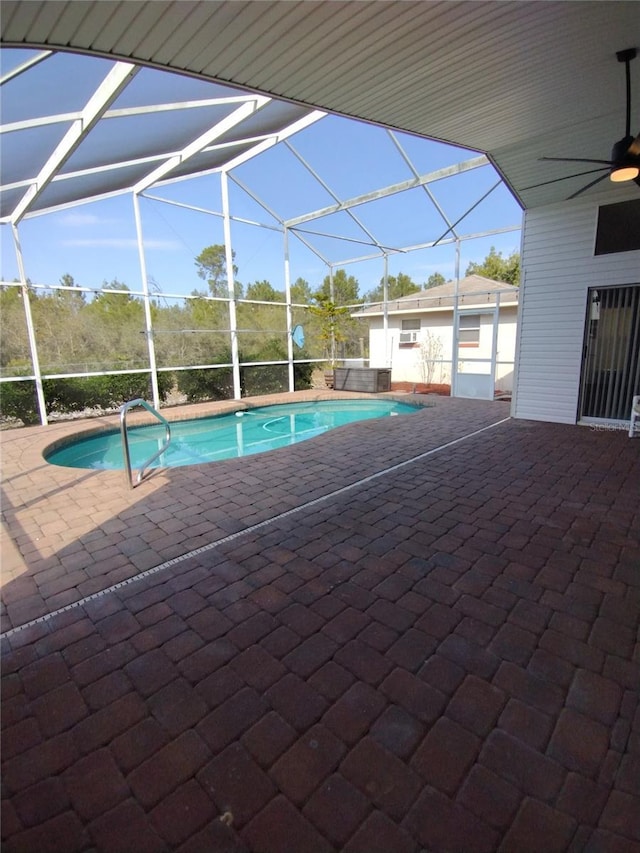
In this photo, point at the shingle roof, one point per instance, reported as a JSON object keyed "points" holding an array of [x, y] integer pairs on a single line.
{"points": [[472, 290]]}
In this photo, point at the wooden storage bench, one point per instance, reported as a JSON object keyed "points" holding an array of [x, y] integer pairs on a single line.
{"points": [[372, 380]]}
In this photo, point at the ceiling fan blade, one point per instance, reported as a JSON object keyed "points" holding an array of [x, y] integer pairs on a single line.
{"points": [[587, 187], [566, 178], [577, 160]]}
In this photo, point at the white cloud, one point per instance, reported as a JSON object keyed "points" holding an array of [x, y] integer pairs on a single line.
{"points": [[429, 269], [121, 243], [79, 219]]}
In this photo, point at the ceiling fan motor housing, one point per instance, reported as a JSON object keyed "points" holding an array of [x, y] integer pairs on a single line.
{"points": [[621, 155]]}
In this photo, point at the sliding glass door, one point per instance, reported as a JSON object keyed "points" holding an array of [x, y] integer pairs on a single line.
{"points": [[611, 355]]}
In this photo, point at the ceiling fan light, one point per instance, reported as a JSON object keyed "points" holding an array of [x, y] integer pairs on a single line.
{"points": [[624, 167], [619, 174]]}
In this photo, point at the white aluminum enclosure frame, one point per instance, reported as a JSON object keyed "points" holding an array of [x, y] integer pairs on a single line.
{"points": [[159, 171]]}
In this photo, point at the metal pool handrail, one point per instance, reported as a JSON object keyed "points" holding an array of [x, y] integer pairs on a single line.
{"points": [[125, 440]]}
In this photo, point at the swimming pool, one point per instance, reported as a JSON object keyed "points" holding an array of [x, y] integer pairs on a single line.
{"points": [[219, 437]]}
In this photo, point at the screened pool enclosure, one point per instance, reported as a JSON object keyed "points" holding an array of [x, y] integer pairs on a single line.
{"points": [[172, 238]]}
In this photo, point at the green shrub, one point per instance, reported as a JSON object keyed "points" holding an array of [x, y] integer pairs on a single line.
{"points": [[206, 383], [75, 394], [273, 378], [302, 374], [19, 400], [264, 379], [101, 392], [200, 384]]}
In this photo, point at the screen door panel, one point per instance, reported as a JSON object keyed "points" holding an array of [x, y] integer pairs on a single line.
{"points": [[611, 362]]}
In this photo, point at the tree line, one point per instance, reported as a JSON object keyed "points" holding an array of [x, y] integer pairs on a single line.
{"points": [[211, 264]]}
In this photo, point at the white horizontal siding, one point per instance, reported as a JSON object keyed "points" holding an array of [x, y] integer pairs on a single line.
{"points": [[560, 267]]}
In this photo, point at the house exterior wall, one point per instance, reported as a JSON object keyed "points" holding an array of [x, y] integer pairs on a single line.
{"points": [[420, 363], [505, 356], [559, 267]]}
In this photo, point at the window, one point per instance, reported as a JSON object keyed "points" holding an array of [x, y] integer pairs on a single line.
{"points": [[409, 333], [469, 330], [618, 227]]}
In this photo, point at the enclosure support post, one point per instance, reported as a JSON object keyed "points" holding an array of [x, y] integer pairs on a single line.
{"points": [[147, 305], [385, 310], [454, 330], [332, 297], [233, 322], [33, 347], [287, 290], [494, 342]]}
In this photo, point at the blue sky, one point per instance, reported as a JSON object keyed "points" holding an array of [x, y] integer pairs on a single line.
{"points": [[95, 242]]}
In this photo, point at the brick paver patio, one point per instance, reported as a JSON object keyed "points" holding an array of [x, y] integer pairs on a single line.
{"points": [[411, 634]]}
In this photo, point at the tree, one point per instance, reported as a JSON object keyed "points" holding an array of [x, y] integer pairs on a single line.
{"points": [[430, 356], [262, 291], [116, 307], [402, 285], [333, 320], [301, 292], [435, 280], [115, 330], [206, 314], [14, 342], [58, 318], [74, 299], [212, 267], [345, 288], [498, 268], [259, 320]]}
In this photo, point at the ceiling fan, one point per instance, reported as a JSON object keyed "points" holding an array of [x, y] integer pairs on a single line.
{"points": [[624, 164]]}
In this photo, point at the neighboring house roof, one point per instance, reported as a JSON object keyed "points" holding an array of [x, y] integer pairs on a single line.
{"points": [[473, 290]]}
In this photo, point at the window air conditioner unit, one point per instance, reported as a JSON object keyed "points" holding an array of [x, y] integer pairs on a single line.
{"points": [[408, 337]]}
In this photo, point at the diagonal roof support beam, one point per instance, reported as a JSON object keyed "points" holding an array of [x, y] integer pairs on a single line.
{"points": [[416, 174], [43, 121], [100, 101], [450, 230], [343, 239], [124, 112], [265, 144], [197, 145], [149, 109], [457, 169], [333, 195], [25, 66], [257, 200]]}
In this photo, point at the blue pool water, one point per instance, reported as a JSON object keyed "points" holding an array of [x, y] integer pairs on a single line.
{"points": [[222, 436]]}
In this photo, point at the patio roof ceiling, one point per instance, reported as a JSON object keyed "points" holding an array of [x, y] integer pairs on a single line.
{"points": [[516, 80]]}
